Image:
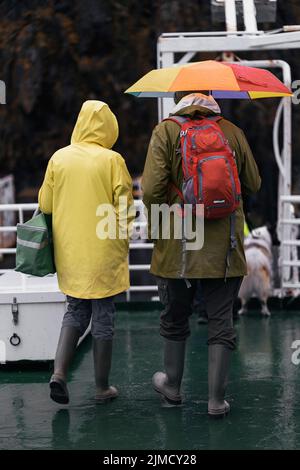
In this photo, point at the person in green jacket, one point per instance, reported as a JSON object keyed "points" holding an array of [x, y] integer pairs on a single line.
{"points": [[163, 166]]}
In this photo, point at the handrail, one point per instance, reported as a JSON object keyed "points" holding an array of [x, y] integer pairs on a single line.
{"points": [[290, 262], [133, 245], [26, 207]]}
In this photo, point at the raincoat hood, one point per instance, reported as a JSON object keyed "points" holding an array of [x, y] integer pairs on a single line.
{"points": [[97, 124], [198, 100]]}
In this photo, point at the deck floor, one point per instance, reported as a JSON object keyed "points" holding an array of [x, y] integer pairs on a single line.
{"points": [[264, 392]]}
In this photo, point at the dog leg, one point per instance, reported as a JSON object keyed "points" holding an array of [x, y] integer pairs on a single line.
{"points": [[264, 309], [243, 308]]}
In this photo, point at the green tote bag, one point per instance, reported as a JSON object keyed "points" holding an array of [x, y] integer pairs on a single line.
{"points": [[35, 254]]}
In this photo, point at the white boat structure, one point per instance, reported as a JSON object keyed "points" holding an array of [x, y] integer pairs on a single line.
{"points": [[31, 309]]}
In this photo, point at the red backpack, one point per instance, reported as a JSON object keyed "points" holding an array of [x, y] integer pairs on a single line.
{"points": [[210, 174]]}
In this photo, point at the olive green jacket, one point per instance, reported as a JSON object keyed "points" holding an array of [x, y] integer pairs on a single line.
{"points": [[163, 165]]}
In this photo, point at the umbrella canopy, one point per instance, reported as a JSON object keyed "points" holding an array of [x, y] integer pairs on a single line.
{"points": [[223, 79]]}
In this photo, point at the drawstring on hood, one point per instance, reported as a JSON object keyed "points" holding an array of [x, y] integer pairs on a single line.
{"points": [[96, 124]]}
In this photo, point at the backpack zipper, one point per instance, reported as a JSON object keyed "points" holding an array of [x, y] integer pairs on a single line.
{"points": [[232, 180]]}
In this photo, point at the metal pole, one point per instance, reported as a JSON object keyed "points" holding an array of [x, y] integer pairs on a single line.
{"points": [[287, 156], [249, 16], [165, 105], [230, 15]]}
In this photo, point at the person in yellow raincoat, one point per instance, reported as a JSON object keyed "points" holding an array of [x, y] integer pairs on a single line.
{"points": [[85, 183]]}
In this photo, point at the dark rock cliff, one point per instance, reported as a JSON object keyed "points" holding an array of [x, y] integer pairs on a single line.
{"points": [[56, 54]]}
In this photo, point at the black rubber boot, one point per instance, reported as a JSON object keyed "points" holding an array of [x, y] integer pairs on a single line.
{"points": [[102, 350], [218, 368], [168, 383], [66, 347]]}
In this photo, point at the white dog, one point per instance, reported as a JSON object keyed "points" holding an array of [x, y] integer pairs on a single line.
{"points": [[258, 282]]}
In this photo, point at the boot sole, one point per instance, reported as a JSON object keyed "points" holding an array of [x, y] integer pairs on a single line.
{"points": [[103, 401], [218, 415], [169, 401], [58, 393]]}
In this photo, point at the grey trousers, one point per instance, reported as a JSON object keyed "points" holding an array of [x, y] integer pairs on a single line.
{"points": [[101, 311]]}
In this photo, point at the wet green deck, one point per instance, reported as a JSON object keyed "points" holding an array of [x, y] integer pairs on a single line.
{"points": [[264, 392]]}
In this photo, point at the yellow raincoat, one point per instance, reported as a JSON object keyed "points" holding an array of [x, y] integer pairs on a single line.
{"points": [[80, 178]]}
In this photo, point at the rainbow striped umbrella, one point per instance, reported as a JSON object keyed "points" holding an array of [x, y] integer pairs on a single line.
{"points": [[223, 79]]}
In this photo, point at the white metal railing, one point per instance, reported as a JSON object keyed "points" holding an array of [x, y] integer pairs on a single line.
{"points": [[289, 261], [20, 209], [288, 230], [7, 192], [140, 223]]}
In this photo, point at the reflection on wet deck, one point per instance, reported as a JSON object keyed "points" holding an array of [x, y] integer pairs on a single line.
{"points": [[264, 392]]}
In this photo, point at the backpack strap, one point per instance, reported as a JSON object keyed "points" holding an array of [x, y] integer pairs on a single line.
{"points": [[177, 191], [178, 119], [233, 243]]}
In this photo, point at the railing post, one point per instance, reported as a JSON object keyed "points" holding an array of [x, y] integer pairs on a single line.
{"points": [[289, 260], [230, 15]]}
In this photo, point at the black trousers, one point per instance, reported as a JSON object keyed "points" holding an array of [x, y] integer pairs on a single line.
{"points": [[177, 297]]}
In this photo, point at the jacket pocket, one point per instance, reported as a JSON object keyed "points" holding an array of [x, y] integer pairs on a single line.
{"points": [[163, 293]]}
